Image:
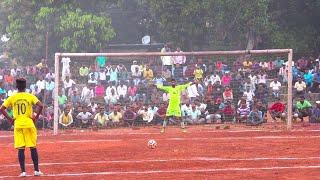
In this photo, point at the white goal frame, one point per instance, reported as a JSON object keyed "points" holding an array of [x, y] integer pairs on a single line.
{"points": [[58, 57]]}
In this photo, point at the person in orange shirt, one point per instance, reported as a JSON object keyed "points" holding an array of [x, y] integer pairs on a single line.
{"points": [[8, 78], [227, 94]]}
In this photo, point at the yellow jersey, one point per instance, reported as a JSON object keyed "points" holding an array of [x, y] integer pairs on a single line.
{"points": [[198, 73], [21, 104]]}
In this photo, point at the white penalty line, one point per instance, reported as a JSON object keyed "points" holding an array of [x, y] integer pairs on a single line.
{"points": [[171, 160], [175, 171]]}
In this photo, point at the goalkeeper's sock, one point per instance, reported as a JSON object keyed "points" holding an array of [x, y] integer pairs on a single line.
{"points": [[21, 158], [165, 122], [182, 124], [34, 156]]}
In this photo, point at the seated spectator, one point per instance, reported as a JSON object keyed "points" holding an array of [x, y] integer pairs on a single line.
{"points": [[101, 120], [129, 116], [315, 117], [66, 118], [123, 72], [209, 88], [300, 87], [146, 113], [86, 94], [166, 73], [115, 117], [261, 93], [83, 71], [189, 71], [253, 78], [155, 96], [122, 91], [263, 109], [278, 63], [75, 98], [304, 108], [308, 79], [193, 90], [147, 74], [136, 76], [112, 97], [249, 94], [198, 73], [92, 106], [262, 78], [194, 116], [92, 80], [67, 84], [102, 78], [212, 115], [99, 90], [214, 78], [276, 110], [316, 81], [228, 112], [247, 65], [5, 124], [158, 80], [243, 113], [184, 97], [84, 118], [165, 96], [275, 86], [255, 117], [178, 73], [132, 92], [160, 115], [226, 79], [141, 92], [227, 94]]}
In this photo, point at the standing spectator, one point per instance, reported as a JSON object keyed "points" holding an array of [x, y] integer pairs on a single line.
{"points": [[278, 63], [300, 87], [134, 66], [282, 73], [114, 75], [303, 63], [316, 82], [66, 118], [132, 92], [247, 65], [226, 78], [147, 74], [84, 118], [251, 85], [67, 84], [65, 67], [158, 80], [84, 72], [189, 71], [304, 108], [179, 59], [275, 86], [253, 78], [41, 83], [315, 117], [102, 76], [193, 90], [166, 60], [101, 60], [123, 72]]}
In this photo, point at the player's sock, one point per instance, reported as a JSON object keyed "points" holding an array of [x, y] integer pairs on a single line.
{"points": [[182, 124], [21, 158], [165, 122], [34, 156]]}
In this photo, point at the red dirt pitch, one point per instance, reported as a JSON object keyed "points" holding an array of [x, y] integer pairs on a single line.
{"points": [[204, 152]]}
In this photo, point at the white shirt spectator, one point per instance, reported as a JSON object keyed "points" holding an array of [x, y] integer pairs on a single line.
{"points": [[68, 84], [87, 94], [12, 92], [275, 85], [14, 72], [186, 108], [102, 76], [166, 97], [264, 65], [50, 75], [122, 90], [215, 78], [262, 79], [146, 115], [300, 86], [108, 90], [41, 84], [133, 67], [93, 107], [111, 98], [84, 116], [65, 62], [193, 91], [249, 95], [253, 79]]}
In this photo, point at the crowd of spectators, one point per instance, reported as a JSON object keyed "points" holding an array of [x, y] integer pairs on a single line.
{"points": [[109, 94]]}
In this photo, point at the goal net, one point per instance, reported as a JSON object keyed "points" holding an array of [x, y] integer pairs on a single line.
{"points": [[105, 90]]}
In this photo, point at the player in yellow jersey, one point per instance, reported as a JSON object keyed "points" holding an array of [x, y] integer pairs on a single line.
{"points": [[25, 133], [174, 108]]}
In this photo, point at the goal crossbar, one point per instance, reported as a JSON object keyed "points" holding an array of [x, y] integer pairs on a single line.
{"points": [[289, 52]]}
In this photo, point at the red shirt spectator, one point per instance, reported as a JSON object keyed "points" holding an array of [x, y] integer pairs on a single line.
{"points": [[99, 90], [226, 79], [277, 106]]}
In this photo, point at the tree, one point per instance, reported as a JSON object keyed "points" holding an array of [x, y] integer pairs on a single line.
{"points": [[73, 27]]}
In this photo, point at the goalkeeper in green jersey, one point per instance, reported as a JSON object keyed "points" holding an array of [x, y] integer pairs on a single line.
{"points": [[174, 109]]}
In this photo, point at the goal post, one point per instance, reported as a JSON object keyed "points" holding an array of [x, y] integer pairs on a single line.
{"points": [[289, 52]]}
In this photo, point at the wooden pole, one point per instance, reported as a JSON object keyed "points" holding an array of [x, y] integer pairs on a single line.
{"points": [[289, 116]]}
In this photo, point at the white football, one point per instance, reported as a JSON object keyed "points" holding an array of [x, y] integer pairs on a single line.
{"points": [[152, 144], [283, 114], [295, 115]]}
